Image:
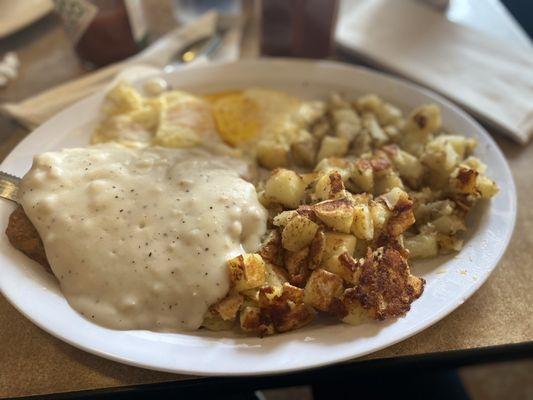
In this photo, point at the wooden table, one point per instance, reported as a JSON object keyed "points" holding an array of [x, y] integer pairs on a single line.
{"points": [[34, 362]]}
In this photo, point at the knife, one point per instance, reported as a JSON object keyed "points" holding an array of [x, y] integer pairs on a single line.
{"points": [[9, 185]]}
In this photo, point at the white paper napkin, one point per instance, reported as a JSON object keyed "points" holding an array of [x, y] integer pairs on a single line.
{"points": [[491, 78], [37, 109]]}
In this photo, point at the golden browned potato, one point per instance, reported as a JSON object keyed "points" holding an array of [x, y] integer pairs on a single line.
{"points": [[229, 306], [421, 123], [247, 271], [271, 154], [253, 320], [386, 287], [285, 308], [322, 287], [362, 225], [332, 146], [285, 187], [337, 214], [361, 179], [298, 233], [214, 322], [329, 186]]}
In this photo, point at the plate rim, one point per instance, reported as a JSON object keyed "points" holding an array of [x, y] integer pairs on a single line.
{"points": [[44, 8], [450, 307]]}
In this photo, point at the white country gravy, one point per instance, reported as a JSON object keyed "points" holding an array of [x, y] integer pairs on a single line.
{"points": [[139, 239]]}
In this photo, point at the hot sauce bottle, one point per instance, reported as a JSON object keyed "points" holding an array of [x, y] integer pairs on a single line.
{"points": [[103, 31]]}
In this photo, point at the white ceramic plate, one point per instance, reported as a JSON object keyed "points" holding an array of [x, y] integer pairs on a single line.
{"points": [[15, 15], [450, 280]]}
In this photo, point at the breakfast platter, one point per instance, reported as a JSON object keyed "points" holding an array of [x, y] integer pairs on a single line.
{"points": [[435, 285]]}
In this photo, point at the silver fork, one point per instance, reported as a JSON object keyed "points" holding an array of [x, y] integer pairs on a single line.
{"points": [[9, 185]]}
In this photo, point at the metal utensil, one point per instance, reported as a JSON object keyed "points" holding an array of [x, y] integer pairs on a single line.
{"points": [[9, 185], [202, 48]]}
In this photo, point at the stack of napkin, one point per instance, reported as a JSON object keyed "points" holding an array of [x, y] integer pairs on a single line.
{"points": [[492, 79]]}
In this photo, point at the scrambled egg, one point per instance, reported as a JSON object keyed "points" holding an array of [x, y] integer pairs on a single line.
{"points": [[172, 119]]}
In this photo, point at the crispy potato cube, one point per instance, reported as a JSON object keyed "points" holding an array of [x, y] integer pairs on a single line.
{"points": [[355, 313], [387, 182], [294, 316], [298, 233], [250, 296], [423, 245], [448, 243], [396, 197], [368, 103], [335, 164], [322, 287], [386, 113], [361, 248], [310, 177], [337, 101], [346, 122], [393, 132], [449, 224], [464, 180], [463, 146], [401, 206], [253, 320], [316, 250], [214, 322], [271, 247], [285, 187], [362, 225], [329, 186], [378, 136], [486, 187], [269, 294], [361, 144], [229, 306], [389, 115], [400, 222], [380, 215], [386, 286], [304, 152], [272, 155], [475, 163], [440, 156], [265, 201], [311, 111], [275, 276], [424, 119], [284, 307], [362, 177], [421, 123], [247, 271], [336, 214], [284, 217], [338, 243], [292, 293], [409, 167], [321, 129], [332, 147], [343, 265], [295, 261]]}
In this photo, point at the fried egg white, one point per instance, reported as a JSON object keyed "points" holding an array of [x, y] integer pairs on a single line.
{"points": [[172, 119]]}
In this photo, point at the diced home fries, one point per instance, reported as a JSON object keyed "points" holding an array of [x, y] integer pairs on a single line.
{"points": [[369, 189]]}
